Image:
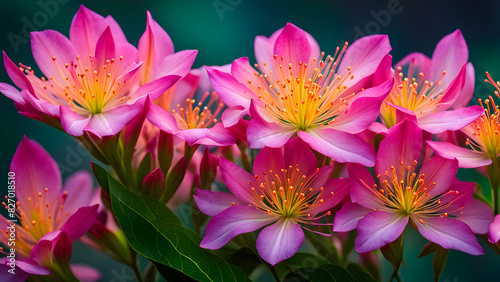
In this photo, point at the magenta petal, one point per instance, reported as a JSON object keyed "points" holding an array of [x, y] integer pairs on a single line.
{"points": [[261, 133], [468, 90], [402, 144], [50, 44], [179, 63], [264, 47], [32, 267], [452, 92], [378, 229], [419, 61], [269, 159], [11, 92], [364, 110], [162, 119], [440, 171], [364, 57], [116, 29], [191, 136], [111, 122], [42, 251], [238, 180], [450, 55], [233, 115], [105, 48], [293, 45], [230, 90], [72, 122], [156, 87], [450, 120], [243, 71], [85, 273], [297, 152], [80, 222], [35, 170], [466, 158], [362, 188], [384, 71], [16, 75], [280, 241], [231, 222], [5, 276], [334, 191], [347, 218], [449, 233], [340, 146], [477, 215], [79, 187], [212, 203], [86, 28], [494, 230]]}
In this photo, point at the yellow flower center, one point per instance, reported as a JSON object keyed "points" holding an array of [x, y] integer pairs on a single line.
{"points": [[198, 115]]}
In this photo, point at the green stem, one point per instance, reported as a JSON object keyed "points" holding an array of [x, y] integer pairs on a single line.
{"points": [[136, 270], [493, 171]]}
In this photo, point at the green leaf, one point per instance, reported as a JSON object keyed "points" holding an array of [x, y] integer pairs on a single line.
{"points": [[326, 272], [439, 261], [299, 260], [428, 249], [101, 175], [360, 273], [154, 231]]}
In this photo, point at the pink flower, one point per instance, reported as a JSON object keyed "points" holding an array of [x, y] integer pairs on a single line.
{"points": [[432, 198], [48, 217], [494, 231], [297, 90], [89, 83], [442, 83], [482, 137], [191, 117], [287, 192]]}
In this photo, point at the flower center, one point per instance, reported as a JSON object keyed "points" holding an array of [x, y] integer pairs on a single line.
{"points": [[288, 193], [34, 221], [86, 86], [420, 96], [483, 132], [198, 115], [303, 96], [409, 193]]}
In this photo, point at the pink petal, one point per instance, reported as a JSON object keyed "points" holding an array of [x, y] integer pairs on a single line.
{"points": [[440, 171], [477, 215], [32, 267], [231, 222], [11, 92], [72, 122], [364, 57], [179, 63], [79, 187], [105, 47], [402, 144], [19, 275], [85, 273], [116, 29], [191, 136], [362, 191], [347, 218], [217, 135], [233, 115], [243, 72], [212, 203], [280, 241], [450, 120], [421, 62], [49, 44], [378, 229], [35, 170], [468, 89], [466, 158], [384, 71], [261, 133], [335, 190], [264, 47], [16, 75], [162, 119], [86, 28], [39, 108], [453, 90], [111, 122], [268, 159], [340, 146], [297, 152], [494, 230], [42, 251], [364, 110], [292, 44], [230, 90], [450, 55], [238, 180], [450, 234], [80, 222]]}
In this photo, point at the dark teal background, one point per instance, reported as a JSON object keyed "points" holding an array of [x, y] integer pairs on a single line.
{"points": [[228, 34]]}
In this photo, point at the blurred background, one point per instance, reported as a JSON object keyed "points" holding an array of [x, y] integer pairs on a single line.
{"points": [[223, 30]]}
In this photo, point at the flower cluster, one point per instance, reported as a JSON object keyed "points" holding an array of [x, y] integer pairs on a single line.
{"points": [[293, 138]]}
